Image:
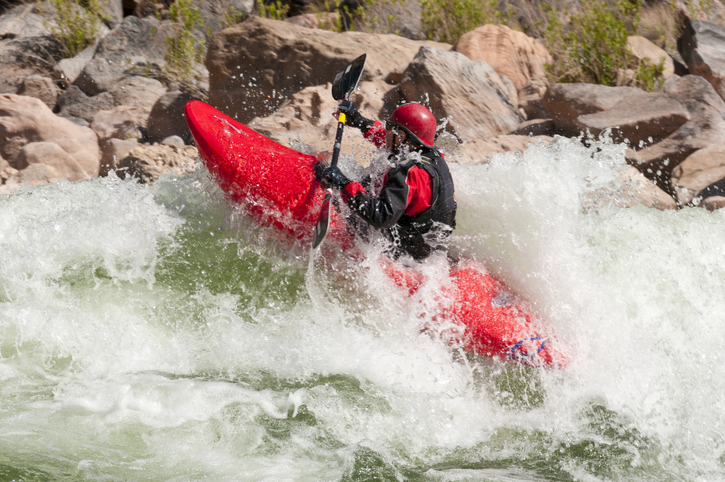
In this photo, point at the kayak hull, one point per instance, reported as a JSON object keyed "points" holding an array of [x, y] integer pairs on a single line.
{"points": [[276, 186]]}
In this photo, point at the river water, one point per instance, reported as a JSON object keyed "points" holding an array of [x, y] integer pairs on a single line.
{"points": [[155, 333]]}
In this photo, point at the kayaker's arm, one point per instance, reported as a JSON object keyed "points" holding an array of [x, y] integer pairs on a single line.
{"points": [[373, 131]]}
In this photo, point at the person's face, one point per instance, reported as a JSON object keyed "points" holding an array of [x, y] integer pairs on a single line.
{"points": [[394, 136]]}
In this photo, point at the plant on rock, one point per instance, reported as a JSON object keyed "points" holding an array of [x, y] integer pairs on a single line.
{"points": [[592, 47], [77, 24], [447, 20], [184, 48]]}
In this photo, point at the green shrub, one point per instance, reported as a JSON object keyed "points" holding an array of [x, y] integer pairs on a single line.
{"points": [[592, 47], [447, 20], [77, 24], [275, 9], [184, 49]]}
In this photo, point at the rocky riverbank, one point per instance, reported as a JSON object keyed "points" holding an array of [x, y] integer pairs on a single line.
{"points": [[112, 108]]}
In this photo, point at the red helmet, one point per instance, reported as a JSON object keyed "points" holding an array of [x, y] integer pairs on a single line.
{"points": [[417, 121]]}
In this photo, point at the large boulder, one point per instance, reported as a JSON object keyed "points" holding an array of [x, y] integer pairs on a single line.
{"points": [[27, 120], [40, 87], [513, 54], [168, 117], [700, 170], [148, 163], [26, 56], [257, 65], [658, 161], [702, 46], [121, 122], [643, 49], [639, 120], [474, 99], [26, 20], [480, 151], [125, 52], [132, 91], [566, 102]]}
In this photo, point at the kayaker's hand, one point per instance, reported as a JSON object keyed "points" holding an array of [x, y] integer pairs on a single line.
{"points": [[333, 177], [353, 117]]}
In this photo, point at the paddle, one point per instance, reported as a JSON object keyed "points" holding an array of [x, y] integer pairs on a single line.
{"points": [[343, 86]]}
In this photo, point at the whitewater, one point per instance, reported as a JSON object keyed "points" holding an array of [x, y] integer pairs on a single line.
{"points": [[155, 333]]}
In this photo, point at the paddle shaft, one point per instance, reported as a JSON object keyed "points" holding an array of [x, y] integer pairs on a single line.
{"points": [[338, 139]]}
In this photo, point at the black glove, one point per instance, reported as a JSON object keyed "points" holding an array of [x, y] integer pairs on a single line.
{"points": [[353, 117], [331, 176]]}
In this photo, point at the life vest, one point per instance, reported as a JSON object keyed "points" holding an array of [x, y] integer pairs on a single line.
{"points": [[418, 235]]}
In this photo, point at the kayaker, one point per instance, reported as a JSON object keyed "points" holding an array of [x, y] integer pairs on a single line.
{"points": [[415, 206]]}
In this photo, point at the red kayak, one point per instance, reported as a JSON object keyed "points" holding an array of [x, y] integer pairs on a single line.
{"points": [[277, 187]]}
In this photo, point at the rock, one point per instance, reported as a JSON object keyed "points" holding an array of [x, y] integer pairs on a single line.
{"points": [[531, 103], [480, 151], [26, 21], [700, 170], [168, 118], [657, 161], [537, 127], [308, 120], [641, 120], [713, 203], [630, 189], [214, 13], [51, 154], [124, 52], [477, 101], [40, 87], [122, 122], [510, 53], [67, 70], [6, 171], [173, 141], [38, 174], [25, 120], [643, 49], [137, 91], [112, 11], [114, 151], [323, 20], [26, 56], [695, 93], [702, 45], [566, 102], [74, 103], [148, 163], [257, 65]]}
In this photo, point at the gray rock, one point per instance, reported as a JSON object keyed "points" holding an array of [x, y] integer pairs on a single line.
{"points": [[26, 56], [167, 118], [702, 45], [40, 87], [478, 103]]}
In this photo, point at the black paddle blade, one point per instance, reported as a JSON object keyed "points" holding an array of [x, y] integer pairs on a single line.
{"points": [[323, 221], [347, 80]]}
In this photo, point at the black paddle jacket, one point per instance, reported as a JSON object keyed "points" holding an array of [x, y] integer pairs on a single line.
{"points": [[415, 207]]}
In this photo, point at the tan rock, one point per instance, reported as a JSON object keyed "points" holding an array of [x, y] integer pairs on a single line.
{"points": [[566, 102], [257, 65], [308, 120], [713, 203], [698, 171], [658, 161], [114, 151], [510, 53], [148, 163], [641, 120], [471, 95], [701, 45], [24, 120], [643, 49], [630, 189], [50, 154], [168, 118], [36, 174], [40, 87], [122, 122]]}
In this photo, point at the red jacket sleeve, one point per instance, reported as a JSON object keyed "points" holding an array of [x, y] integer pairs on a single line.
{"points": [[419, 191]]}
